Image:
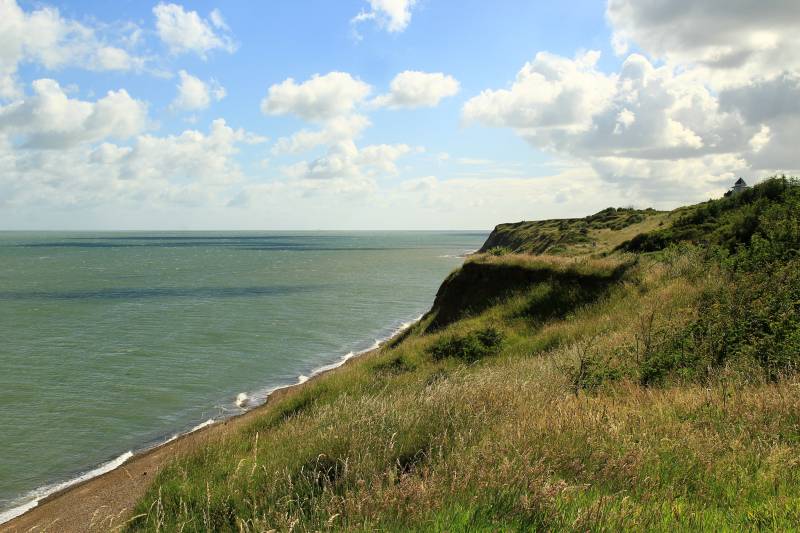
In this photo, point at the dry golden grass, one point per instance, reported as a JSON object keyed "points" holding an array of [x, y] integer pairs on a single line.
{"points": [[584, 265], [607, 239]]}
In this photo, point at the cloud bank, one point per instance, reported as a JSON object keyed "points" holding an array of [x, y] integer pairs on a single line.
{"points": [[713, 94]]}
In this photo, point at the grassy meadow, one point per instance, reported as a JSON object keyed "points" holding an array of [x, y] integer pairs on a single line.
{"points": [[640, 375]]}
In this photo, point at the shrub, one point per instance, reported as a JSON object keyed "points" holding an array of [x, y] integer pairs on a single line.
{"points": [[395, 365], [729, 222], [752, 320], [468, 348], [498, 251]]}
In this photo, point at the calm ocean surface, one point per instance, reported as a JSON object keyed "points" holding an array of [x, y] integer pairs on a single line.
{"points": [[111, 342]]}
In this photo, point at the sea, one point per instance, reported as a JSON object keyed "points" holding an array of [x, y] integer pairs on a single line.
{"points": [[111, 343]]}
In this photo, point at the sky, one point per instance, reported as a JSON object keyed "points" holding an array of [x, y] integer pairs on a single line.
{"points": [[386, 114]]}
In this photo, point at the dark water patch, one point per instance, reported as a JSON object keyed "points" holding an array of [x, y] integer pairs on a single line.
{"points": [[231, 244], [140, 293], [326, 248], [204, 238], [478, 234], [158, 244]]}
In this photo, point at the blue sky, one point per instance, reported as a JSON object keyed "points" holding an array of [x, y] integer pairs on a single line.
{"points": [[373, 114]]}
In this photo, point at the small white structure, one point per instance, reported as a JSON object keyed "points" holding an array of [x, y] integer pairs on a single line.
{"points": [[739, 186]]}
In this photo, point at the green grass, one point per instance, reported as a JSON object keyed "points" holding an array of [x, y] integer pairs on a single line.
{"points": [[596, 233], [533, 409]]}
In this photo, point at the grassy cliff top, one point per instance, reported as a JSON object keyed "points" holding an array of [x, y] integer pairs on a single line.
{"points": [[602, 231], [652, 388]]}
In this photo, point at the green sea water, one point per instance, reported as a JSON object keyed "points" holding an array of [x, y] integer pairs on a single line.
{"points": [[112, 342]]}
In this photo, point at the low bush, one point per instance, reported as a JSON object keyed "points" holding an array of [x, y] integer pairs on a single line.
{"points": [[752, 320], [468, 348], [498, 251]]}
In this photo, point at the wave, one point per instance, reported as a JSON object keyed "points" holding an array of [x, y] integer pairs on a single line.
{"points": [[32, 499], [462, 255]]}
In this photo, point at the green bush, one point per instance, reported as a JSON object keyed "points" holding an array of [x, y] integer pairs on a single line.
{"points": [[752, 320], [498, 251], [468, 348], [730, 222]]}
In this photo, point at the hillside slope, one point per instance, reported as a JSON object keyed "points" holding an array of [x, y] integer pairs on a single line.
{"points": [[616, 386], [598, 232]]}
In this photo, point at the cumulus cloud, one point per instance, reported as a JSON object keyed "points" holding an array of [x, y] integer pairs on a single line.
{"points": [[191, 156], [549, 92], [634, 127], [195, 94], [191, 168], [728, 43], [186, 31], [333, 131], [317, 99], [44, 37], [714, 93], [412, 89], [392, 15], [344, 160], [50, 119]]}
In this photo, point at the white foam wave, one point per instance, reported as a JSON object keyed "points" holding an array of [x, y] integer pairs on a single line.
{"points": [[175, 436], [258, 398], [201, 425], [32, 499], [462, 255]]}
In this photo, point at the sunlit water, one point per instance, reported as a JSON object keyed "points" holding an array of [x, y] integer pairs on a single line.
{"points": [[111, 342]]}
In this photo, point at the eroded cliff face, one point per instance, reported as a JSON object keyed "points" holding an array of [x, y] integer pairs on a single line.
{"points": [[485, 281]]}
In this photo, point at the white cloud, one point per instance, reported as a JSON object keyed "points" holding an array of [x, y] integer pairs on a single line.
{"points": [[393, 15], [331, 100], [344, 160], [50, 119], [412, 88], [727, 43], [333, 131], [190, 156], [195, 94], [317, 99], [550, 92], [44, 37], [186, 31], [650, 129], [192, 168], [217, 20], [746, 53]]}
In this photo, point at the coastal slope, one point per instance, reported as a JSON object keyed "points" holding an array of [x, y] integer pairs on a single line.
{"points": [[629, 370]]}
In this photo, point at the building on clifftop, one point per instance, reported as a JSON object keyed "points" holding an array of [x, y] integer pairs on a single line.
{"points": [[738, 187]]}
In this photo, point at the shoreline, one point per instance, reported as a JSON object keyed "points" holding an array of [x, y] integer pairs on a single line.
{"points": [[116, 485]]}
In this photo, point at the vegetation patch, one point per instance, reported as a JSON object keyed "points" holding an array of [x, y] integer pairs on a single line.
{"points": [[729, 222], [563, 236], [394, 365], [468, 348]]}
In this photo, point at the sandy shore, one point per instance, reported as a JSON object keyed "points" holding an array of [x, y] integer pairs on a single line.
{"points": [[105, 502]]}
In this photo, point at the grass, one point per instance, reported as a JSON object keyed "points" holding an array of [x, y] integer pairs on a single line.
{"points": [[596, 233], [532, 411]]}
